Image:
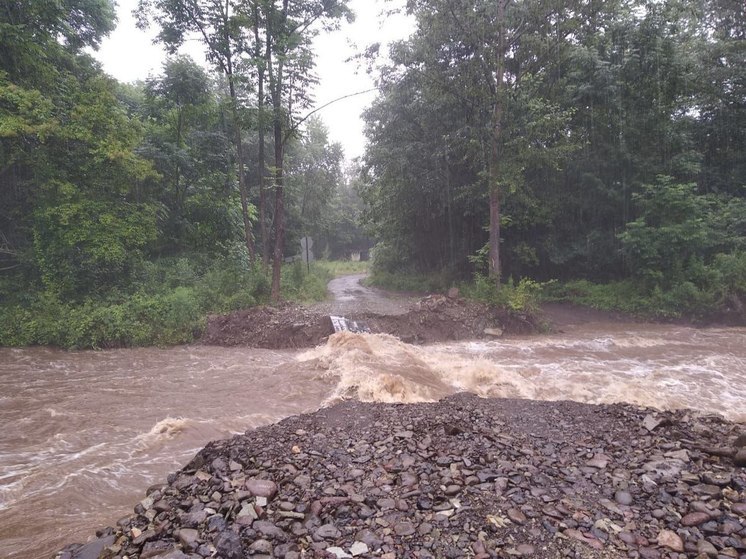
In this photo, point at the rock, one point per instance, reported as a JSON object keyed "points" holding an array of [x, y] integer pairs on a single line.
{"points": [[174, 554], [161, 547], [740, 458], [668, 467], [261, 487], [649, 553], [453, 293], [93, 549], [404, 528], [599, 461], [623, 497], [495, 332], [706, 489], [188, 538], [193, 519], [517, 516], [228, 545], [261, 546], [721, 479], [338, 551], [525, 550], [695, 519], [370, 539], [326, 532], [358, 548], [651, 422], [453, 489], [740, 441], [739, 509], [706, 548], [671, 540], [269, 530], [682, 455]]}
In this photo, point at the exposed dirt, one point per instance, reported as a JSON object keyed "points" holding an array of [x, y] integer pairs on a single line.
{"points": [[433, 319]]}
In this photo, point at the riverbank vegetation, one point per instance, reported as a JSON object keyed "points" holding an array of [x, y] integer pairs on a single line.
{"points": [[128, 212], [603, 147]]}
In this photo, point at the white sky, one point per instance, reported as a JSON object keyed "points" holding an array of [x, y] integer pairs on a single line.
{"points": [[129, 54]]}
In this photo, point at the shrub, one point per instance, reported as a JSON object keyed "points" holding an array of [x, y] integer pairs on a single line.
{"points": [[523, 297]]}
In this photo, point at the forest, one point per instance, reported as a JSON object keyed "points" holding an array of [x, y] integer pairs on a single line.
{"points": [[593, 151], [586, 151]]}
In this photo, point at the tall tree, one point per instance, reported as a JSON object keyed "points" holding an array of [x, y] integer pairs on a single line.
{"points": [[223, 34], [289, 27]]}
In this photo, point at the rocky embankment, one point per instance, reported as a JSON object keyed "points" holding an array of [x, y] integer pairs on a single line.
{"points": [[464, 477]]}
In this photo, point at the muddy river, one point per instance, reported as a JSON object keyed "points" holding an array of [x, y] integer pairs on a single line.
{"points": [[85, 433]]}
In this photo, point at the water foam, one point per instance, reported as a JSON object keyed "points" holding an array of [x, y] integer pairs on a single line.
{"points": [[375, 368], [163, 430], [381, 368]]}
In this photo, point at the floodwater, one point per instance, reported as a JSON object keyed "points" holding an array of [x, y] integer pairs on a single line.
{"points": [[85, 433]]}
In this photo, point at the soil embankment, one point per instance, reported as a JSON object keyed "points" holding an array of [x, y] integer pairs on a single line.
{"points": [[435, 318], [464, 477]]}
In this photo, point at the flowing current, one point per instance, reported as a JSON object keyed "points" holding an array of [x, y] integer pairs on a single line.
{"points": [[85, 433]]}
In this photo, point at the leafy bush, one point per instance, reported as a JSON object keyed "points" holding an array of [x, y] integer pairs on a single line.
{"points": [[523, 297]]}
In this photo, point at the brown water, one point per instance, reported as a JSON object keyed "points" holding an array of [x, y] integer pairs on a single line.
{"points": [[85, 433]]}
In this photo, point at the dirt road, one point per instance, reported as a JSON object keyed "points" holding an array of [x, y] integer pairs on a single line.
{"points": [[349, 296]]}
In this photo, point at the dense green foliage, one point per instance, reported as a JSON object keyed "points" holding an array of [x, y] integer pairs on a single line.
{"points": [[121, 206], [585, 142], [611, 141]]}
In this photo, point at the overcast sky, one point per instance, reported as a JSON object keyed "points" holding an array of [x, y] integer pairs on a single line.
{"points": [[129, 54]]}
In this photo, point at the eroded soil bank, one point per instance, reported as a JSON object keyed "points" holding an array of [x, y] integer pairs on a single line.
{"points": [[464, 477], [432, 319]]}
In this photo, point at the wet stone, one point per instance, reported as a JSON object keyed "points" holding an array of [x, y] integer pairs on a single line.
{"points": [[740, 458], [188, 538], [404, 528], [260, 546], [160, 547], [695, 519], [671, 540], [327, 531], [517, 516], [649, 553], [706, 548], [623, 498], [261, 488]]}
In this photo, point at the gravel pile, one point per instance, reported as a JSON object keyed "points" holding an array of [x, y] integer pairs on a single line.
{"points": [[464, 477]]}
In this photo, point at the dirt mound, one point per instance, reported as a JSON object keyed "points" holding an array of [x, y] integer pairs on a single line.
{"points": [[286, 326], [433, 319]]}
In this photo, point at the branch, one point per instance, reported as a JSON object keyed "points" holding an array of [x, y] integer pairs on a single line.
{"points": [[295, 126]]}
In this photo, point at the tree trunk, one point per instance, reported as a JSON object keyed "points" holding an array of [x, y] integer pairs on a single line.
{"points": [[275, 86], [242, 188], [495, 147], [260, 156], [279, 211]]}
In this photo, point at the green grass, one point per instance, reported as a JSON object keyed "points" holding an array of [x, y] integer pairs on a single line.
{"points": [[682, 300], [342, 267], [416, 283], [300, 285]]}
